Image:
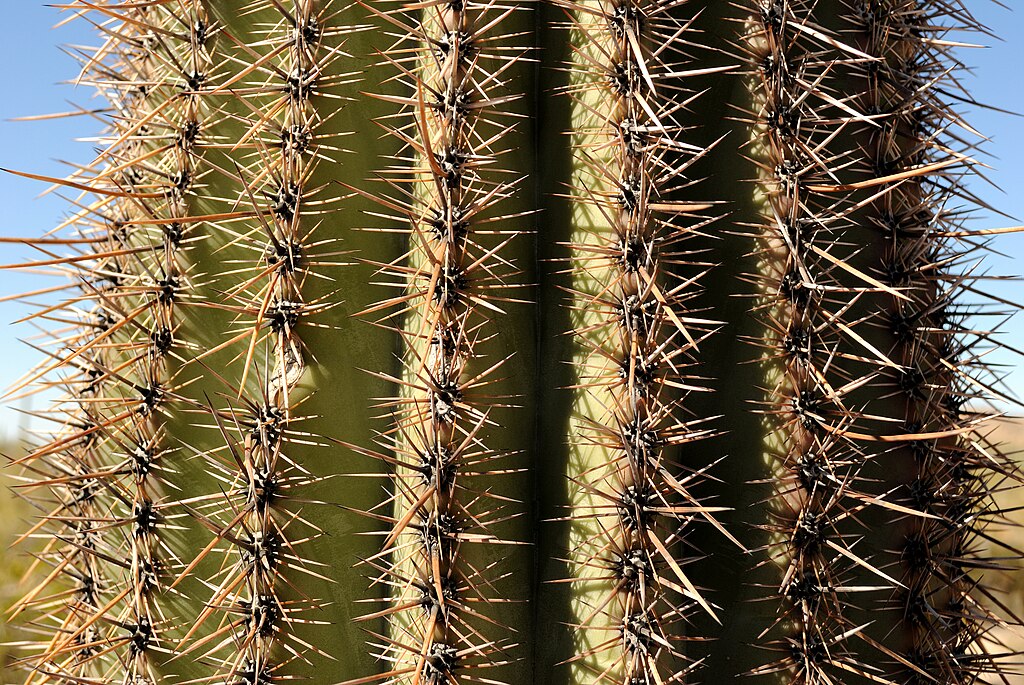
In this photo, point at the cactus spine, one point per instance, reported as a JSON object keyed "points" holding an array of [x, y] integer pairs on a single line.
{"points": [[319, 421]]}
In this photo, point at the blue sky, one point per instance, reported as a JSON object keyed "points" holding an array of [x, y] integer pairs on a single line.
{"points": [[37, 66], [38, 71]]}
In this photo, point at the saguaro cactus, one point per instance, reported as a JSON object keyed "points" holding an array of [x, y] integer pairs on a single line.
{"points": [[611, 341]]}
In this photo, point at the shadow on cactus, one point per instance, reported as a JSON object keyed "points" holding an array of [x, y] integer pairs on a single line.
{"points": [[623, 342]]}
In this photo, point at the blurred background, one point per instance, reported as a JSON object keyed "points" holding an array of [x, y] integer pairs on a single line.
{"points": [[38, 48]]}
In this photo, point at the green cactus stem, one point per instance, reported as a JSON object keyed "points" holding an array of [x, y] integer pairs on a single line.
{"points": [[595, 342]]}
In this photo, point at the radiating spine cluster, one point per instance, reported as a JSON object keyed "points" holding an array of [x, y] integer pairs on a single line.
{"points": [[637, 340], [457, 63]]}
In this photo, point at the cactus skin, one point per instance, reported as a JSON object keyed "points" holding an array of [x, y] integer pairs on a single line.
{"points": [[346, 406]]}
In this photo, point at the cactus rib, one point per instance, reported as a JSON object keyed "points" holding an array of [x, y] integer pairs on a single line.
{"points": [[637, 342], [456, 61]]}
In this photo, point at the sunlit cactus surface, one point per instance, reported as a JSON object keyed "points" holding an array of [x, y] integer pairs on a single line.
{"points": [[582, 342]]}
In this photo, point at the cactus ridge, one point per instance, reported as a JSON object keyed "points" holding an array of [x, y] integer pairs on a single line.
{"points": [[447, 192], [839, 320], [939, 604], [633, 278], [798, 147], [108, 466], [257, 516]]}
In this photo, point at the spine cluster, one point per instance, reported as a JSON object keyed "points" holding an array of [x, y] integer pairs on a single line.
{"points": [[456, 62], [633, 278]]}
